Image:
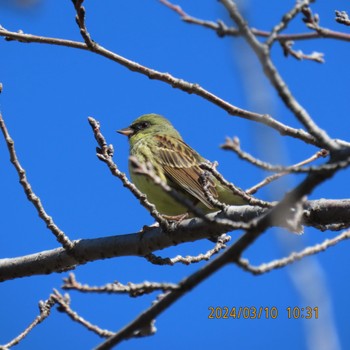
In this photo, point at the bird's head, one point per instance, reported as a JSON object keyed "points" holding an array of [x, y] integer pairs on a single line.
{"points": [[148, 125]]}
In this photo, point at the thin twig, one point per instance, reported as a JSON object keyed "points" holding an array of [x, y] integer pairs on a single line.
{"points": [[105, 153], [299, 55], [274, 177], [287, 17], [32, 197], [222, 29], [64, 306], [132, 289], [146, 170], [175, 8], [187, 260], [236, 190], [293, 257], [342, 17], [80, 19], [45, 310], [204, 179], [233, 145]]}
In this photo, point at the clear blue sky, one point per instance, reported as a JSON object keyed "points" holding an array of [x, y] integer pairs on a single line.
{"points": [[48, 94]]}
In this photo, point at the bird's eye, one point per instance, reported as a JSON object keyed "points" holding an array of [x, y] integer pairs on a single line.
{"points": [[140, 126]]}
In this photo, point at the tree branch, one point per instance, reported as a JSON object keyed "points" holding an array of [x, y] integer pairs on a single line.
{"points": [[322, 214], [293, 257], [222, 29], [187, 260], [232, 254], [32, 197], [64, 306], [45, 310], [132, 289], [105, 154], [167, 78], [263, 53]]}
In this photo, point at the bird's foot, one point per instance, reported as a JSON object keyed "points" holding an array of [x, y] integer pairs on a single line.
{"points": [[149, 227], [177, 218]]}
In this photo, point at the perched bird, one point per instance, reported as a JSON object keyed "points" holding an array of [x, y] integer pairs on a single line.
{"points": [[153, 139]]}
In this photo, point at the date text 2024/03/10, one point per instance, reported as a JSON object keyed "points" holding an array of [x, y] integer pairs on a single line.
{"points": [[252, 312]]}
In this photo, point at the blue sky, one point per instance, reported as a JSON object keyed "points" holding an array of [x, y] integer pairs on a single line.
{"points": [[50, 91]]}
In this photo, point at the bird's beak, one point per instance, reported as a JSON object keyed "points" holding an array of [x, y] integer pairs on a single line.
{"points": [[126, 131]]}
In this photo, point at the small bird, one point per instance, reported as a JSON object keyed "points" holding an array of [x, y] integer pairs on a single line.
{"points": [[153, 139]]}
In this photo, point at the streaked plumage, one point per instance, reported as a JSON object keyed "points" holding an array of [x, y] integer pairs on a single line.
{"points": [[153, 139]]}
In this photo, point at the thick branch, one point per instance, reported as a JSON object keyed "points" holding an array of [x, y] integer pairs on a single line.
{"points": [[323, 214]]}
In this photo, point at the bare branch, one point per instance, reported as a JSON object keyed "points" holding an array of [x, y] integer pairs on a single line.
{"points": [[292, 212], [234, 145], [293, 257], [177, 83], [187, 260], [45, 310], [312, 21], [274, 177], [80, 19], [64, 306], [146, 170], [222, 29], [138, 244], [236, 190], [263, 53], [204, 179], [175, 8], [285, 21], [299, 55], [105, 153], [32, 197], [342, 17], [132, 289], [322, 214], [232, 254]]}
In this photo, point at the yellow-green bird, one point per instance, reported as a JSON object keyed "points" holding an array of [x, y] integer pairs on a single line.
{"points": [[153, 139]]}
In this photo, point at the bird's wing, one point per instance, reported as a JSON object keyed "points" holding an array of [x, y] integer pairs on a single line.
{"points": [[181, 165]]}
